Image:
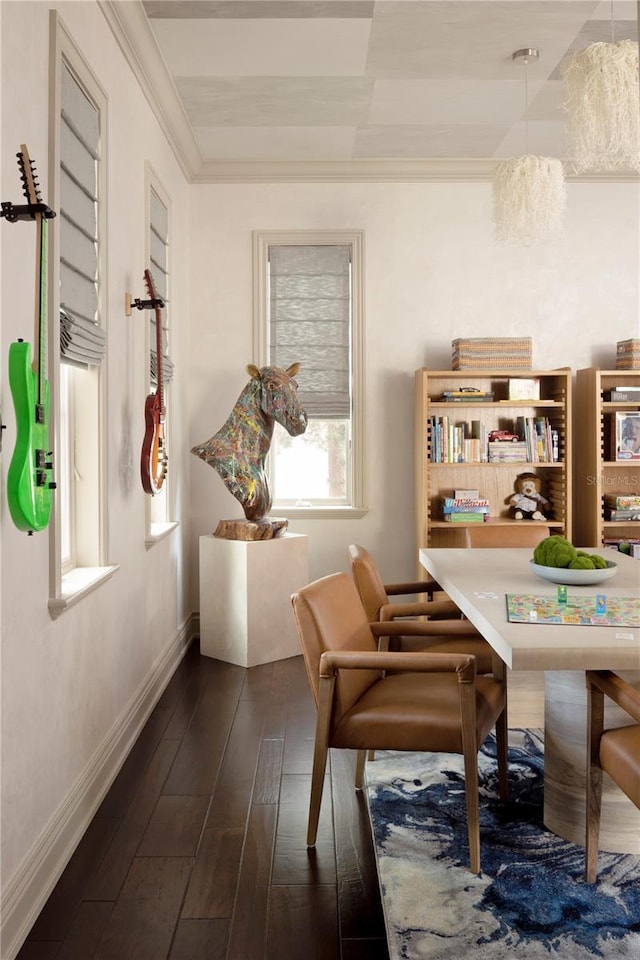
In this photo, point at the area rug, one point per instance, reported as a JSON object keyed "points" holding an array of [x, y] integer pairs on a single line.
{"points": [[529, 902]]}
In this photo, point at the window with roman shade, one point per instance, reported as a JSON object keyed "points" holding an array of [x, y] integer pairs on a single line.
{"points": [[310, 322], [82, 338], [158, 255]]}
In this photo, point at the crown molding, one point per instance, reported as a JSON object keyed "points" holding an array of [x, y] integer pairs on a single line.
{"points": [[129, 22], [130, 26], [374, 171]]}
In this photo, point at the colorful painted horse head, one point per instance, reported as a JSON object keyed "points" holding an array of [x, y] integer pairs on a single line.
{"points": [[239, 449]]}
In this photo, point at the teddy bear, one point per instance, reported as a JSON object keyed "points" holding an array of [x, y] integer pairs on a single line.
{"points": [[528, 502]]}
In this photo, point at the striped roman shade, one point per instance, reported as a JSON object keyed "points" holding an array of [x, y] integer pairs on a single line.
{"points": [[82, 338], [158, 253], [309, 321]]}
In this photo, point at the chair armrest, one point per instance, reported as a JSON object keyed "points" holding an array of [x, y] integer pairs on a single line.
{"points": [[423, 628], [416, 586], [617, 689], [422, 608], [461, 663]]}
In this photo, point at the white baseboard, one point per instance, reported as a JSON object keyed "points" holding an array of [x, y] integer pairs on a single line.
{"points": [[27, 891]]}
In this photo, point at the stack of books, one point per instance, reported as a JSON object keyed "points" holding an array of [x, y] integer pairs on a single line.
{"points": [[484, 353], [621, 507], [468, 395], [628, 355], [465, 509], [502, 452], [625, 392]]}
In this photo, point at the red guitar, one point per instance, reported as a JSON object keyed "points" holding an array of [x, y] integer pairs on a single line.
{"points": [[154, 459]]}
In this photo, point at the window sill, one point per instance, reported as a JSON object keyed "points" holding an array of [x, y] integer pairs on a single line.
{"points": [[159, 531], [77, 584], [319, 512]]}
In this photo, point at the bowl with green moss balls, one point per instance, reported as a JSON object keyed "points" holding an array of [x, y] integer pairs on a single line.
{"points": [[557, 560]]}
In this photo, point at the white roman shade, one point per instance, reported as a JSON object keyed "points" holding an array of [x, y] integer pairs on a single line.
{"points": [[309, 322], [158, 254], [82, 339]]}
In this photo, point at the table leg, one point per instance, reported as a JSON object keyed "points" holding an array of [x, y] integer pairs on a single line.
{"points": [[565, 735]]}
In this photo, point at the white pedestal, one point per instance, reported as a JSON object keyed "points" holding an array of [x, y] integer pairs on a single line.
{"points": [[245, 589]]}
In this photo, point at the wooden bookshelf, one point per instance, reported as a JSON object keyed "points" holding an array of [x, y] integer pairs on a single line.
{"points": [[597, 471], [495, 481]]}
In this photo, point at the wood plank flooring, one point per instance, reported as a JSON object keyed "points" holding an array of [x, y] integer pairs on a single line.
{"points": [[198, 850]]}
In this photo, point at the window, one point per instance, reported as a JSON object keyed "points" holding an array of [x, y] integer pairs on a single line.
{"points": [[78, 353], [157, 507], [308, 309]]}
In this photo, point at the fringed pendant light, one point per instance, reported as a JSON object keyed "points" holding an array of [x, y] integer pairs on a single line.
{"points": [[529, 192], [529, 199], [602, 100]]}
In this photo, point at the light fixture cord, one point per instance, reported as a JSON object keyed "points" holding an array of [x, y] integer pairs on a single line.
{"points": [[612, 26], [526, 105]]}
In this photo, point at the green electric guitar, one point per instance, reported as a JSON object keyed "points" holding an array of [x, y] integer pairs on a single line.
{"points": [[29, 479]]}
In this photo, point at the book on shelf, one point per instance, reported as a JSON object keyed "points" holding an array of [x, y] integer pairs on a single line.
{"points": [[624, 394], [625, 436], [466, 494], [625, 514], [622, 501], [460, 505], [467, 517]]}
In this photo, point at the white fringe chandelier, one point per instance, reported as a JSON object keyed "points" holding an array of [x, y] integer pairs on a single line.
{"points": [[602, 99], [529, 192]]}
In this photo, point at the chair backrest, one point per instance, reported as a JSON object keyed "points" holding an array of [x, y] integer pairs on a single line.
{"points": [[523, 534], [368, 581], [329, 616]]}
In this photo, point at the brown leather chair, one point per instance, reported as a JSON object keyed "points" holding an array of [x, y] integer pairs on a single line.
{"points": [[372, 699], [527, 533], [444, 632], [616, 751]]}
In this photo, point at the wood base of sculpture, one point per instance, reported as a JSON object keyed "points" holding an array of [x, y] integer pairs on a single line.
{"points": [[266, 529]]}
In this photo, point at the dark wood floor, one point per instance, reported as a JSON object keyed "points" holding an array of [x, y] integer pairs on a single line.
{"points": [[198, 850]]}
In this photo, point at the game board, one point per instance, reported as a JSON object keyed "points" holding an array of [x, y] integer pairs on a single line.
{"points": [[598, 611]]}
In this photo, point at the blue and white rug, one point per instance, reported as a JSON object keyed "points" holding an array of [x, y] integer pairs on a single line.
{"points": [[530, 901]]}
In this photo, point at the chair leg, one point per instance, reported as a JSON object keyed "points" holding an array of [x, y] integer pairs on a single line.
{"points": [[595, 726], [470, 753], [360, 762], [317, 783], [502, 751], [473, 808], [320, 752]]}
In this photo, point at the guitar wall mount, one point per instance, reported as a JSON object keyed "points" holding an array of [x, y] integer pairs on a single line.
{"points": [[25, 211], [141, 304]]}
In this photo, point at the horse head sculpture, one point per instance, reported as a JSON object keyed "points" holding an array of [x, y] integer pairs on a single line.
{"points": [[238, 450]]}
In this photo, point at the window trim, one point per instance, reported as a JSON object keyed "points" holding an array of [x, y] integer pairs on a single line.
{"points": [[68, 586], [262, 239]]}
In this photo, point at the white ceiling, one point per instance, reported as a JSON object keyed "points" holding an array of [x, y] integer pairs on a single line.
{"points": [[325, 81]]}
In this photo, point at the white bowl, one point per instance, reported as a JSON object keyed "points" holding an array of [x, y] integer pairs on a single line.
{"points": [[575, 577]]}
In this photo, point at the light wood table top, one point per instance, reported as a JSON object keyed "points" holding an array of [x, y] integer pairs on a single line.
{"points": [[478, 581]]}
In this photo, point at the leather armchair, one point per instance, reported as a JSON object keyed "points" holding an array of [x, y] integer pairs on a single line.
{"points": [[369, 699], [443, 632], [616, 751], [527, 533]]}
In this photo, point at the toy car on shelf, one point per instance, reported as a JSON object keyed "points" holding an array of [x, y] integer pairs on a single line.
{"points": [[502, 436]]}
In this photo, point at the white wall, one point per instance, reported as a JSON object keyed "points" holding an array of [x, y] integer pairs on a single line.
{"points": [[433, 273], [75, 689]]}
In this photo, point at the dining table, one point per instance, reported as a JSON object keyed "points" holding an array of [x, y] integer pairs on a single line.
{"points": [[536, 624]]}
